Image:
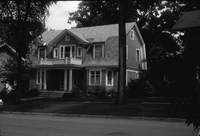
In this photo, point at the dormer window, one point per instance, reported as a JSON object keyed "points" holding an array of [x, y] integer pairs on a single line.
{"points": [[41, 53], [132, 34], [55, 53], [67, 38], [98, 51]]}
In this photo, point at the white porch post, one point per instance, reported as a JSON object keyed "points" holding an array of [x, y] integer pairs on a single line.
{"points": [[65, 80], [45, 80], [70, 79], [40, 79]]}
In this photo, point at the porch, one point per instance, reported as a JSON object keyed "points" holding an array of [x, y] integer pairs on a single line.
{"points": [[55, 80]]}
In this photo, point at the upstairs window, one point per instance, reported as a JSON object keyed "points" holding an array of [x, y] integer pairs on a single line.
{"points": [[55, 53], [79, 51], [67, 38], [126, 52], [67, 52], [137, 55], [41, 53], [98, 51], [132, 34]]}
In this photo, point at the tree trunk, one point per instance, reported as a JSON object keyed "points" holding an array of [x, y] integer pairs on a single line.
{"points": [[122, 58], [19, 75]]}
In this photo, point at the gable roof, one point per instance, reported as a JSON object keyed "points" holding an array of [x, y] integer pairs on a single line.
{"points": [[188, 20], [86, 34]]}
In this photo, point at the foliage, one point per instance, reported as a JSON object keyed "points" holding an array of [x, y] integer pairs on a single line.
{"points": [[33, 92], [139, 88], [8, 73], [76, 91], [99, 92]]}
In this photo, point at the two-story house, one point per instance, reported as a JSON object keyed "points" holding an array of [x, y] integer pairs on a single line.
{"points": [[87, 55]]}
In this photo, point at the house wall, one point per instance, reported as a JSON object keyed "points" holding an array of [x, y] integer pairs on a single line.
{"points": [[132, 46]]}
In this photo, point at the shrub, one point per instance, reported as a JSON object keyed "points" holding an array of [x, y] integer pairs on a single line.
{"points": [[33, 92], [99, 92], [139, 88], [76, 91], [162, 88]]}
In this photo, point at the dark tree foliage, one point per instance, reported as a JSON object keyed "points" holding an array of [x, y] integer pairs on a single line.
{"points": [[21, 23]]}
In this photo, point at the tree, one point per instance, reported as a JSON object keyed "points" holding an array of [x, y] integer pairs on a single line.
{"points": [[21, 24], [122, 57]]}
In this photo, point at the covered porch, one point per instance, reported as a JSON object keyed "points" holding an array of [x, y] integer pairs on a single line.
{"points": [[59, 79]]}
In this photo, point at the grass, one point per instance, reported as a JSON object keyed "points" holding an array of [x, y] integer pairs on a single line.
{"points": [[145, 107]]}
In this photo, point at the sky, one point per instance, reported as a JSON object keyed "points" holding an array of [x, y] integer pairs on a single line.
{"points": [[59, 14]]}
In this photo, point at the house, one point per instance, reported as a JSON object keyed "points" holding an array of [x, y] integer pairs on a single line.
{"points": [[87, 55], [5, 53]]}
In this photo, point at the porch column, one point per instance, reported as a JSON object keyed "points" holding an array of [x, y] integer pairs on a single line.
{"points": [[40, 79], [70, 79], [65, 80], [45, 80]]}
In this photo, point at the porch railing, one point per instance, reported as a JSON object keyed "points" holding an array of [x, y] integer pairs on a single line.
{"points": [[60, 61]]}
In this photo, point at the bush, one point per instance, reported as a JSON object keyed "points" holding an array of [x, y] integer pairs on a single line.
{"points": [[139, 88], [33, 92], [162, 88], [76, 91], [7, 96], [99, 92]]}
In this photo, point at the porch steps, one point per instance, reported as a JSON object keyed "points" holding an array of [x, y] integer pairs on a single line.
{"points": [[51, 94], [56, 94], [44, 94]]}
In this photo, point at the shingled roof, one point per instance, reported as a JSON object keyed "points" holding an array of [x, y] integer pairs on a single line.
{"points": [[87, 34]]}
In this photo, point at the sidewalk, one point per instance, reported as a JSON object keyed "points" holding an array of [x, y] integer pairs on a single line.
{"points": [[99, 116]]}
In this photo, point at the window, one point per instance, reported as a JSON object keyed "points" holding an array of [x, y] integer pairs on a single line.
{"points": [[136, 75], [98, 51], [38, 77], [109, 78], [137, 55], [41, 53], [79, 52], [67, 38], [132, 35], [62, 52], [95, 78], [55, 53], [67, 51], [126, 52]]}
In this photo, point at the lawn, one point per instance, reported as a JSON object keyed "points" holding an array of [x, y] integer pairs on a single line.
{"points": [[142, 107]]}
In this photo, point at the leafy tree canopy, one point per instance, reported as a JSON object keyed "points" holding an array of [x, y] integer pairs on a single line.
{"points": [[22, 22]]}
